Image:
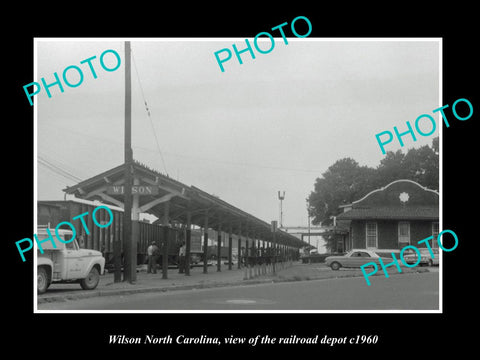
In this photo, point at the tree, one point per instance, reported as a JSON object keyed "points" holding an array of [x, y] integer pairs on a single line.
{"points": [[346, 181], [420, 165], [391, 167], [342, 183], [435, 145]]}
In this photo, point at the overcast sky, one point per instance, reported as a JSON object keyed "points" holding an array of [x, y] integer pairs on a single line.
{"points": [[277, 122]]}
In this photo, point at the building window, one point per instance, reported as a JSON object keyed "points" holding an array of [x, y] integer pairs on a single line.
{"points": [[371, 235], [403, 234], [435, 231]]}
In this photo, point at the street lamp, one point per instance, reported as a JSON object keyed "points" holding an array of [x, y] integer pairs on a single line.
{"points": [[281, 197]]}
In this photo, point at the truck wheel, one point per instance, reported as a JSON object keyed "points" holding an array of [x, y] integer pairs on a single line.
{"points": [[42, 280], [335, 265], [91, 281]]}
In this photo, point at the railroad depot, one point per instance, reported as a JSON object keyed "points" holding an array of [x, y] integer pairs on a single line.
{"points": [[184, 215], [389, 218]]}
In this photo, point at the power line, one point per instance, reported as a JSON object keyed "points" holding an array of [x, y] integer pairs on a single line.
{"points": [[54, 176], [58, 170], [149, 116], [195, 158], [59, 165]]}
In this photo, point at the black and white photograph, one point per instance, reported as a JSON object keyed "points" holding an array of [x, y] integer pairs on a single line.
{"points": [[257, 188], [264, 183]]}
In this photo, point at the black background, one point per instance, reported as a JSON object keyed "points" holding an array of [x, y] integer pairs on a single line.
{"points": [[402, 334]]}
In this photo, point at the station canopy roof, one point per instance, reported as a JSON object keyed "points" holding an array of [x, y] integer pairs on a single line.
{"points": [[182, 200]]}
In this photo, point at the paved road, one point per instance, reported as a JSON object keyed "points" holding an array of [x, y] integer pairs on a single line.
{"points": [[400, 292]]}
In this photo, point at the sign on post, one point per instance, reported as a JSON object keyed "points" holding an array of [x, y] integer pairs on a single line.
{"points": [[136, 189], [195, 242]]}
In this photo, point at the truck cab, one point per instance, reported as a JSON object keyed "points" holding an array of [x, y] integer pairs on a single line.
{"points": [[66, 262]]}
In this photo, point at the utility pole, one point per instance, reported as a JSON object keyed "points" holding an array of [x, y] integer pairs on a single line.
{"points": [[130, 265], [308, 215], [274, 244]]}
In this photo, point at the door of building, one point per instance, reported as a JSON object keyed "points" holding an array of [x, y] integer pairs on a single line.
{"points": [[403, 234]]}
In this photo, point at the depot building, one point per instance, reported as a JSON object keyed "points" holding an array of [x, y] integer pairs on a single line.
{"points": [[399, 214]]}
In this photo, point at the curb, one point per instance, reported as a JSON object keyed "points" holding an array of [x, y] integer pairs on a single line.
{"points": [[116, 292], [275, 279]]}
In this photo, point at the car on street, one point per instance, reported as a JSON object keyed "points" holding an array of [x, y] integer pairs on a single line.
{"points": [[233, 262], [411, 257], [354, 259]]}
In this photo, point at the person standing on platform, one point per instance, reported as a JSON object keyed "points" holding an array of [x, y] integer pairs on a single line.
{"points": [[152, 252], [181, 258]]}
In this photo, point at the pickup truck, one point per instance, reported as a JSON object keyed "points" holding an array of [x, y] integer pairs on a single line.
{"points": [[67, 263]]}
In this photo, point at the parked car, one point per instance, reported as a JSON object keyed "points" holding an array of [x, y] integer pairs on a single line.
{"points": [[355, 258], [233, 262], [314, 258], [410, 257], [67, 262]]}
